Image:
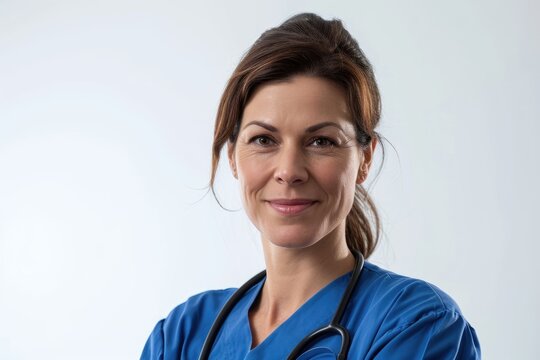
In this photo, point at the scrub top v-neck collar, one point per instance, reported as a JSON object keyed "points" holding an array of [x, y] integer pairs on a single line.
{"points": [[235, 336]]}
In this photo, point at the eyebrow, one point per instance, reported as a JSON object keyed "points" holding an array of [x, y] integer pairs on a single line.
{"points": [[261, 124], [322, 125], [310, 129]]}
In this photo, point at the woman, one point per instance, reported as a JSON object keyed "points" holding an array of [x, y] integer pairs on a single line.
{"points": [[298, 118]]}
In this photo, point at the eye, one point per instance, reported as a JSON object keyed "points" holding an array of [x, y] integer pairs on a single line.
{"points": [[323, 142], [261, 140]]}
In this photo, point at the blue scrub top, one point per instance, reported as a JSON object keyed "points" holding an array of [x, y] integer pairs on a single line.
{"points": [[389, 317]]}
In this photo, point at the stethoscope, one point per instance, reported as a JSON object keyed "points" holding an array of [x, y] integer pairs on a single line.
{"points": [[334, 326]]}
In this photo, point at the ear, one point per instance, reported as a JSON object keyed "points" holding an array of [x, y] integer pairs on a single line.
{"points": [[367, 159], [232, 161]]}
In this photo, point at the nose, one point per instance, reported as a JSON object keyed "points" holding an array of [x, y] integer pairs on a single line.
{"points": [[291, 167]]}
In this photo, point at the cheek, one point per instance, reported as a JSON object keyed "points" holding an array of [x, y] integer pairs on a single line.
{"points": [[252, 175], [338, 178], [252, 178]]}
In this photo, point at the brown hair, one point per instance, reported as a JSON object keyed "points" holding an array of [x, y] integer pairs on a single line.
{"points": [[308, 44]]}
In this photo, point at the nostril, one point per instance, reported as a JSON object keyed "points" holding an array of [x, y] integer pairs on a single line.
{"points": [[296, 179]]}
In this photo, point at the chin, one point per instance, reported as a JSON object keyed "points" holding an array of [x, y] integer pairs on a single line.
{"points": [[292, 238], [291, 244]]}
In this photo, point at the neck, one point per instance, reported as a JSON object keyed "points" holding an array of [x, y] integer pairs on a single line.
{"points": [[295, 275]]}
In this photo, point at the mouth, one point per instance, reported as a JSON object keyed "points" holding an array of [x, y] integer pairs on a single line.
{"points": [[289, 207]]}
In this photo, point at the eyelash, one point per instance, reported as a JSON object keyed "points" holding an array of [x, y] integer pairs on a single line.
{"points": [[330, 143], [258, 137]]}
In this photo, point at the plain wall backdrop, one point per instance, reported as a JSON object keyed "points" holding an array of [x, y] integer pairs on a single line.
{"points": [[106, 123]]}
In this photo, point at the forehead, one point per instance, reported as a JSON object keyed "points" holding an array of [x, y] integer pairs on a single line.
{"points": [[303, 98]]}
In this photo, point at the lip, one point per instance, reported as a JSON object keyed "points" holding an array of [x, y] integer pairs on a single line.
{"points": [[290, 207]]}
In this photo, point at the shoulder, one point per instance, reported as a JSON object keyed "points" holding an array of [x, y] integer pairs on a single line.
{"points": [[406, 291], [203, 304], [408, 313], [403, 299], [191, 320]]}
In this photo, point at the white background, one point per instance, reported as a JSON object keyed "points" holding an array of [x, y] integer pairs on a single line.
{"points": [[106, 121]]}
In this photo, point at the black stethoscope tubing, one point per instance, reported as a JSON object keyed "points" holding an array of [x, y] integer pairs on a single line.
{"points": [[334, 326]]}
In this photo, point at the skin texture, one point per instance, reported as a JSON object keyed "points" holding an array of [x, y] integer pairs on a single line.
{"points": [[297, 141]]}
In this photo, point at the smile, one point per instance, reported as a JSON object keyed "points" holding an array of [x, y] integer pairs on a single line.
{"points": [[289, 207]]}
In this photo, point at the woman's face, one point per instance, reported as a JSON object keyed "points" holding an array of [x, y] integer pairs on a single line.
{"points": [[298, 162]]}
